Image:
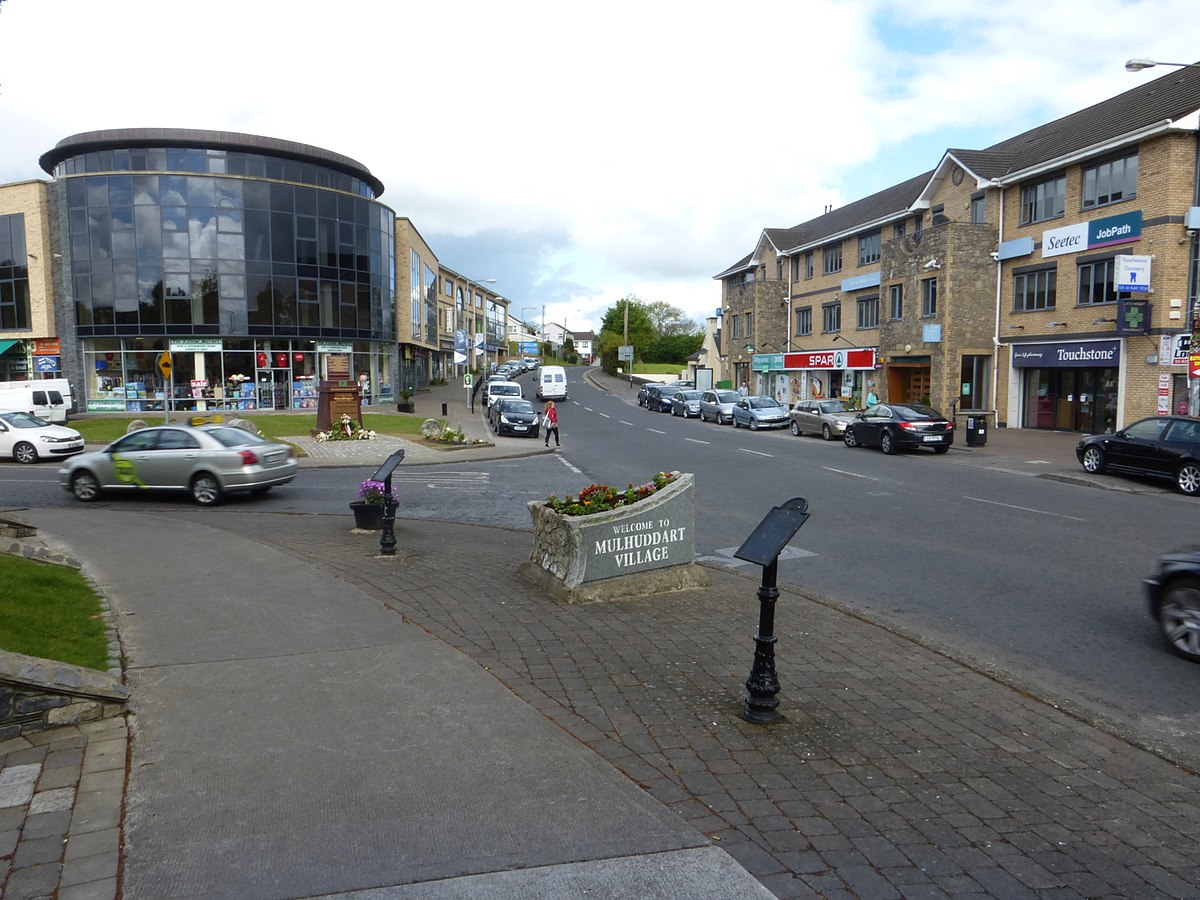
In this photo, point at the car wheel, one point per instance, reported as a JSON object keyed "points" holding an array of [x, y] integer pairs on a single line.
{"points": [[795, 430], [84, 486], [206, 490], [754, 424], [849, 439], [1093, 460], [941, 450], [25, 452], [1187, 478], [886, 444], [827, 432], [1179, 617]]}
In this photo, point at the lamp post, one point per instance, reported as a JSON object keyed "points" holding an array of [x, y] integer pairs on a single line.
{"points": [[1138, 63]]}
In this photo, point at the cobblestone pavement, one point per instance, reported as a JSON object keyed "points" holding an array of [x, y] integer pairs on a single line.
{"points": [[898, 772]]}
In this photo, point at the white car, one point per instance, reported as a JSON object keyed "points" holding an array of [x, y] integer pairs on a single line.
{"points": [[27, 439]]}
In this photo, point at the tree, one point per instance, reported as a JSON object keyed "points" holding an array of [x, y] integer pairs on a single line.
{"points": [[669, 320], [612, 331]]}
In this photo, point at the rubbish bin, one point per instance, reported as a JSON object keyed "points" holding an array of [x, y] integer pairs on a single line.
{"points": [[976, 431]]}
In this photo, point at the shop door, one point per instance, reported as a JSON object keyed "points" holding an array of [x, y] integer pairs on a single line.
{"points": [[919, 386]]}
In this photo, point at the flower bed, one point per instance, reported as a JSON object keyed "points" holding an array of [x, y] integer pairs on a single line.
{"points": [[345, 429], [600, 498]]}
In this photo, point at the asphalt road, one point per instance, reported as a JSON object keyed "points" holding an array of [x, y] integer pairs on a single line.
{"points": [[1036, 578]]}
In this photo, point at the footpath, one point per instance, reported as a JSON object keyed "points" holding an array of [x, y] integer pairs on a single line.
{"points": [[309, 718]]}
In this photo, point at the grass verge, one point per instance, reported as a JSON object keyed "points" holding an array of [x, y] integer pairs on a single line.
{"points": [[104, 430], [51, 612]]}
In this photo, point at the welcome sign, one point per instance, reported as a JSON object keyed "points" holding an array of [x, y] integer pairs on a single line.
{"points": [[1106, 232]]}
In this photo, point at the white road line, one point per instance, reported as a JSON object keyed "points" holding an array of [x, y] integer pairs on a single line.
{"points": [[587, 409], [843, 472], [623, 422], [562, 459], [1040, 512], [656, 431], [606, 415], [696, 441], [756, 453]]}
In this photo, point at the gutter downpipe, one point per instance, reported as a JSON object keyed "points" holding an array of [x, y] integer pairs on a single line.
{"points": [[996, 336], [1194, 287]]}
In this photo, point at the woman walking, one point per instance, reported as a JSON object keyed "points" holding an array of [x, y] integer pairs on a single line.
{"points": [[550, 423]]}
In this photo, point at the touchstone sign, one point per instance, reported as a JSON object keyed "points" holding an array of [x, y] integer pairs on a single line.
{"points": [[645, 548]]}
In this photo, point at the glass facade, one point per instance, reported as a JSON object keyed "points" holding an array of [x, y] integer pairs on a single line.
{"points": [[241, 263], [14, 274]]}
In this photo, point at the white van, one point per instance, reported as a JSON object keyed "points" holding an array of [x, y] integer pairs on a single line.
{"points": [[552, 383], [497, 390], [48, 399]]}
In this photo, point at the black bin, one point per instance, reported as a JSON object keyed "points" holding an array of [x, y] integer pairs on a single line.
{"points": [[976, 431]]}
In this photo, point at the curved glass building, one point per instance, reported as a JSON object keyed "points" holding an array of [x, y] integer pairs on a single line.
{"points": [[251, 259]]}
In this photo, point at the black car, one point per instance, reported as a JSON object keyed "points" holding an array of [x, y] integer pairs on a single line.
{"points": [[513, 416], [643, 393], [660, 400], [893, 426], [1174, 595], [1160, 447]]}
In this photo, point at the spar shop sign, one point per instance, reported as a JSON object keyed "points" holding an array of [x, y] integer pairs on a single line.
{"points": [[1106, 232]]}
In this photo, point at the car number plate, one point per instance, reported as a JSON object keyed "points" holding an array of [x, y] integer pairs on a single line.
{"points": [[932, 438], [520, 427]]}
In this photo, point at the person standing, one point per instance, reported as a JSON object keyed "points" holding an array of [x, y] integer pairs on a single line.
{"points": [[872, 398], [550, 423]]}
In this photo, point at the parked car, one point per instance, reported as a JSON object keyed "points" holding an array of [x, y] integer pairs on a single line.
{"points": [[686, 403], [828, 418], [28, 438], [207, 461], [497, 389], [644, 392], [717, 406], [662, 397], [513, 416], [894, 426], [1174, 594], [757, 411], [1159, 447]]}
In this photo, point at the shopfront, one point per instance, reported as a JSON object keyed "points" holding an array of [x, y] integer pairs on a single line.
{"points": [[843, 374], [218, 374], [1069, 386]]}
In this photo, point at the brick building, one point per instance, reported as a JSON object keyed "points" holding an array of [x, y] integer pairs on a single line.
{"points": [[989, 284]]}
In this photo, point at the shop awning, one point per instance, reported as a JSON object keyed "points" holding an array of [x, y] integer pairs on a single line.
{"points": [[4, 345]]}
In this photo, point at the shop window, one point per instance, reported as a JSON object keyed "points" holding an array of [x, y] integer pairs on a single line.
{"points": [[1110, 181], [975, 379], [1035, 290], [1044, 200]]}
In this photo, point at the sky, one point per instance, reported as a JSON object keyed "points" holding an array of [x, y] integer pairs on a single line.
{"points": [[581, 153]]}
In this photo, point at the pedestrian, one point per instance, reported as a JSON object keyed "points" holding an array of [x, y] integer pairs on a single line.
{"points": [[550, 423], [872, 398], [743, 389]]}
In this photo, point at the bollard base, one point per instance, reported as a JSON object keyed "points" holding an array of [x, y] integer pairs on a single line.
{"points": [[762, 712]]}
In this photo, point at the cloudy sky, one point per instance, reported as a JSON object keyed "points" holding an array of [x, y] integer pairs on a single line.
{"points": [[579, 152]]}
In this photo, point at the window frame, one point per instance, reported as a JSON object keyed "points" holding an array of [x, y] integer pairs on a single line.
{"points": [[1045, 286], [1111, 294], [1035, 197], [804, 320], [928, 298], [895, 302], [831, 314], [1096, 173], [831, 259], [867, 312], [870, 247]]}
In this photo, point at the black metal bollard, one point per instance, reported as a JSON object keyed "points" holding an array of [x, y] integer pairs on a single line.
{"points": [[387, 540], [444, 410], [763, 547]]}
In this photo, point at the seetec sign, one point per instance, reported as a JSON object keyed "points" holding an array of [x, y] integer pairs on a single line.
{"points": [[1106, 232]]}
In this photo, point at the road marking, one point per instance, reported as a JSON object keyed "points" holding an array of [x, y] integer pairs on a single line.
{"points": [[756, 452], [606, 415], [623, 422], [447, 481], [696, 441], [1041, 512], [566, 462], [656, 431], [843, 472], [587, 409]]}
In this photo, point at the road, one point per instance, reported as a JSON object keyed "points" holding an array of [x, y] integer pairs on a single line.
{"points": [[1033, 577]]}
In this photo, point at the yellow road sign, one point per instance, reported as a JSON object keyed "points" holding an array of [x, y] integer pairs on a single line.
{"points": [[164, 363]]}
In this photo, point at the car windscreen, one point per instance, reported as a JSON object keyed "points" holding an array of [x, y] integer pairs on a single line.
{"points": [[505, 390], [228, 436], [23, 420], [764, 403], [728, 396], [832, 406], [517, 406], [915, 413], [689, 395]]}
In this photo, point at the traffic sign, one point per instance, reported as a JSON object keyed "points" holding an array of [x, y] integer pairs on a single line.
{"points": [[164, 363], [467, 380]]}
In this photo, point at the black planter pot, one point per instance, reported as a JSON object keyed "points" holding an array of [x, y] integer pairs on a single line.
{"points": [[367, 516], [406, 406]]}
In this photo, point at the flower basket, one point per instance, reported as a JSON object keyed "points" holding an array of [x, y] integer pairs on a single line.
{"points": [[367, 516], [642, 548]]}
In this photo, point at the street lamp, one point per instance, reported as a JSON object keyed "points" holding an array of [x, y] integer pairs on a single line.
{"points": [[1139, 63]]}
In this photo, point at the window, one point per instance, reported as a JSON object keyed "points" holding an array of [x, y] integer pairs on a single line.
{"points": [[750, 326], [938, 215], [899, 229], [896, 302], [804, 320], [733, 326], [1110, 181], [1035, 290], [449, 288], [929, 298], [1096, 283], [795, 268], [831, 317], [918, 225], [808, 264], [833, 259], [869, 248], [868, 312], [14, 274], [779, 268], [977, 209], [1043, 201], [974, 376]]}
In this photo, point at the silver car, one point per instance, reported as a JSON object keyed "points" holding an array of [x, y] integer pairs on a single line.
{"points": [[757, 411], [686, 403], [828, 418], [717, 406], [207, 461]]}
